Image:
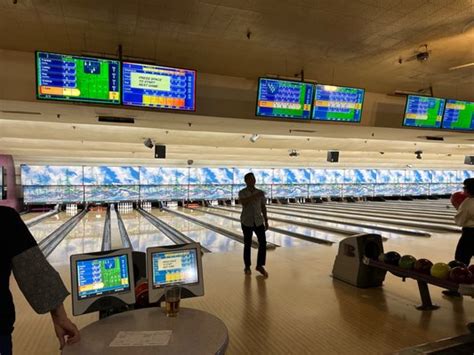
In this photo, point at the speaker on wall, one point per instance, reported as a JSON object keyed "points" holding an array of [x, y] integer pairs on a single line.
{"points": [[469, 159], [160, 151], [333, 156]]}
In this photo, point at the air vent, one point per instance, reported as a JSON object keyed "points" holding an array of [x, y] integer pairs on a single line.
{"points": [[22, 112], [301, 131], [111, 119], [432, 138]]}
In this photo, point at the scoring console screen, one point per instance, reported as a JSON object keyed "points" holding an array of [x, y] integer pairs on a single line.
{"points": [[148, 85], [101, 276], [337, 103], [423, 111], [175, 268], [459, 115]]}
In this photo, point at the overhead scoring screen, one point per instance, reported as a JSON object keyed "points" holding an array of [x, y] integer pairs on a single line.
{"points": [[75, 78], [337, 103], [423, 111], [175, 268], [160, 87], [101, 276], [459, 115], [282, 98]]}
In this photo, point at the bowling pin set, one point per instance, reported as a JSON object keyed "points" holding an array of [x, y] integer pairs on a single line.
{"points": [[71, 208], [146, 205], [125, 206]]}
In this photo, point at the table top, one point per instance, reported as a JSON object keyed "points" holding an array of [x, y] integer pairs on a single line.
{"points": [[193, 332]]}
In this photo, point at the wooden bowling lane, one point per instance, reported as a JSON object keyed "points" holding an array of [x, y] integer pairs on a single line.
{"points": [[292, 228], [342, 212], [342, 228], [213, 241], [49, 225], [272, 237], [30, 215], [142, 233], [444, 207], [382, 211], [380, 222], [407, 208], [86, 237]]}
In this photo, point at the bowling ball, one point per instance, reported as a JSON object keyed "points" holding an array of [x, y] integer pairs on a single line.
{"points": [[460, 275], [440, 271], [141, 294], [423, 266], [454, 263], [407, 262], [457, 198], [471, 268], [392, 258]]}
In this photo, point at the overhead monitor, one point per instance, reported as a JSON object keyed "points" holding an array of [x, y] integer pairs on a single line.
{"points": [[175, 265], [423, 111], [459, 115], [102, 280], [75, 78], [147, 85], [338, 103], [284, 98]]}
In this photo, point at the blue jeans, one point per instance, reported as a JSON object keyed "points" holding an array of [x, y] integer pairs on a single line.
{"points": [[5, 345]]}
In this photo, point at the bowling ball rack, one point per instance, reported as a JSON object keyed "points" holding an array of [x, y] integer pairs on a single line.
{"points": [[422, 279]]}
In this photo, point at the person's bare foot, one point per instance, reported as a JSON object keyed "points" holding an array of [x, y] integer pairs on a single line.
{"points": [[247, 271], [262, 270]]}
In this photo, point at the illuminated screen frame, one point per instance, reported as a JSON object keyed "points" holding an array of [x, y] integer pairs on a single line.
{"points": [[335, 120], [421, 127], [257, 106], [157, 107], [188, 290], [456, 129], [39, 96], [98, 302], [154, 254]]}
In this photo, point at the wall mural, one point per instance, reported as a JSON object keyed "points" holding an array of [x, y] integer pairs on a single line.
{"points": [[43, 184]]}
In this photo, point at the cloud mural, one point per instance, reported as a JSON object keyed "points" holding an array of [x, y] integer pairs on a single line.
{"points": [[51, 175], [211, 176], [108, 175], [163, 176]]}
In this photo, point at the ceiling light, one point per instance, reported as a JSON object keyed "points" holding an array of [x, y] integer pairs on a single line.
{"points": [[254, 138], [149, 143]]}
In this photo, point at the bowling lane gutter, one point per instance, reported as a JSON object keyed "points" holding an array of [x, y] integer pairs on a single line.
{"points": [[432, 226], [278, 230], [371, 212], [334, 212], [309, 225], [412, 232], [107, 234], [172, 233], [123, 230], [41, 217], [48, 244], [219, 230]]}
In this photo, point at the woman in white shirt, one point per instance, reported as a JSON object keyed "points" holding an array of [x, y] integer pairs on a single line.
{"points": [[465, 219]]}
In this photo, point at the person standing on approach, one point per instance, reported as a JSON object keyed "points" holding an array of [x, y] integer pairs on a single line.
{"points": [[465, 219], [254, 219]]}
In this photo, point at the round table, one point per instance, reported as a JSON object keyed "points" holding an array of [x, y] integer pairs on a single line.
{"points": [[193, 332]]}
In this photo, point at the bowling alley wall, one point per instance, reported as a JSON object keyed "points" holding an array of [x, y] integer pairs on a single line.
{"points": [[79, 184]]}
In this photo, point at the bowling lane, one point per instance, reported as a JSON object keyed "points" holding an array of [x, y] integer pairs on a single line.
{"points": [[387, 222], [213, 241], [339, 225], [285, 226], [142, 233], [424, 213], [272, 237], [398, 208], [86, 237], [30, 215], [343, 212], [49, 225]]}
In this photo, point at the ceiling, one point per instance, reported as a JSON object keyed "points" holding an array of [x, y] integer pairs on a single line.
{"points": [[348, 42]]}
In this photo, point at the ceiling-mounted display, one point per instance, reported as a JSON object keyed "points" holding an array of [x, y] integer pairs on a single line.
{"points": [[338, 103], [154, 86], [459, 115], [75, 78], [423, 111], [284, 98]]}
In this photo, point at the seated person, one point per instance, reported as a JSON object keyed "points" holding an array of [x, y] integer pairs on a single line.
{"points": [[39, 282]]}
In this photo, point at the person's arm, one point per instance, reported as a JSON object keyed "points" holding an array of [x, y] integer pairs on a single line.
{"points": [[246, 200], [264, 213], [462, 216], [38, 281]]}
